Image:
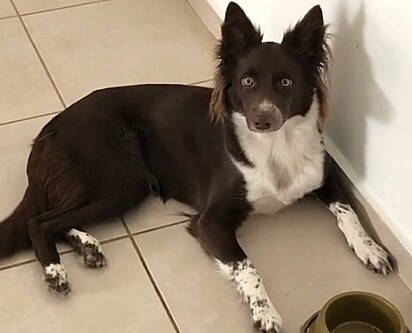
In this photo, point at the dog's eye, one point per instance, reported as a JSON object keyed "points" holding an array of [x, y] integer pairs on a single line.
{"points": [[248, 81], [285, 82]]}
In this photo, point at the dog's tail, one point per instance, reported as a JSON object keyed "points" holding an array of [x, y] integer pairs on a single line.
{"points": [[13, 230]]}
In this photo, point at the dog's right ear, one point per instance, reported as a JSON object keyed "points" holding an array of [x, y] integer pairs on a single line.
{"points": [[238, 37], [238, 33]]}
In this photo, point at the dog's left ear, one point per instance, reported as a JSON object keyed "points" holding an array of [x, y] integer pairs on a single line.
{"points": [[307, 38], [238, 37]]}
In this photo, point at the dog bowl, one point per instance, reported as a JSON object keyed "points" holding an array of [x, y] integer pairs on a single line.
{"points": [[356, 312]]}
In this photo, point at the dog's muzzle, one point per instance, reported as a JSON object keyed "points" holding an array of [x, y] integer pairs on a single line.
{"points": [[266, 118]]}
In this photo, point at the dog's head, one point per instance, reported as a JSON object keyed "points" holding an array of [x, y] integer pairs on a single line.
{"points": [[270, 83]]}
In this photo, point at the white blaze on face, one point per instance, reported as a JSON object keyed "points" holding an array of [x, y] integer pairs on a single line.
{"points": [[265, 105]]}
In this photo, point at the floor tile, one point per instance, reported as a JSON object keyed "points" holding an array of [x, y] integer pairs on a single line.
{"points": [[15, 141], [20, 257], [199, 298], [153, 213], [6, 9], [116, 299], [30, 6], [301, 256], [25, 88], [122, 42]]}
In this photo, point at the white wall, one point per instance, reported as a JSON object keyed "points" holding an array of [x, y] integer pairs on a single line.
{"points": [[371, 118]]}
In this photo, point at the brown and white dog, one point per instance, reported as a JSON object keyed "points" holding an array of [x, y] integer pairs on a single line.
{"points": [[107, 152]]}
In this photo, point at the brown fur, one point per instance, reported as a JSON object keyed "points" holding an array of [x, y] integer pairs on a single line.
{"points": [[217, 100], [323, 83], [56, 175]]}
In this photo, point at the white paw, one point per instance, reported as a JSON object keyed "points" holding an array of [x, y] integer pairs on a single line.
{"points": [[372, 255], [265, 317], [55, 276], [93, 258], [87, 246], [249, 284]]}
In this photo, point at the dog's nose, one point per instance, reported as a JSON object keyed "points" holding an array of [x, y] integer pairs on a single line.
{"points": [[265, 122], [262, 124], [266, 117]]}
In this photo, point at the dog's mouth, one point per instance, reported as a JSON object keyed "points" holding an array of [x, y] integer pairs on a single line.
{"points": [[268, 130]]}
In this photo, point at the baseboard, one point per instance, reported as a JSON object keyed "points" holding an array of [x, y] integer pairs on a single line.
{"points": [[376, 222], [208, 16]]}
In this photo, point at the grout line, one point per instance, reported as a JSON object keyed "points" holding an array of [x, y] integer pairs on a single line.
{"points": [[158, 228], [29, 118], [64, 7], [56, 112], [149, 274], [106, 241], [7, 17], [29, 261], [59, 95], [21, 263], [115, 239]]}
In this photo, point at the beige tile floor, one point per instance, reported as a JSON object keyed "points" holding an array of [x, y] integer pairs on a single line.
{"points": [[157, 278]]}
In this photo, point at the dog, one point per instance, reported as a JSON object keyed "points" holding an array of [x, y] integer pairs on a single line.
{"points": [[252, 144]]}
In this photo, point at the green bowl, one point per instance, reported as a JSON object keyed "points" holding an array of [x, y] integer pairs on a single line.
{"points": [[356, 312]]}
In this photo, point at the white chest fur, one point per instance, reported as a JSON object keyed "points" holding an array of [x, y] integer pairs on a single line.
{"points": [[287, 164]]}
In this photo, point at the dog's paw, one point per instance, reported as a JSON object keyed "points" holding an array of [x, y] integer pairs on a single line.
{"points": [[87, 246], [55, 276], [265, 317], [373, 256], [93, 256]]}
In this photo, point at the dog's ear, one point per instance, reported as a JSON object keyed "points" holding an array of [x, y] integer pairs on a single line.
{"points": [[238, 33], [238, 37], [307, 37]]}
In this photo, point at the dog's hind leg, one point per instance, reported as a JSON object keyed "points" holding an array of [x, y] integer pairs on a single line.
{"points": [[372, 255], [44, 230], [87, 246], [44, 246]]}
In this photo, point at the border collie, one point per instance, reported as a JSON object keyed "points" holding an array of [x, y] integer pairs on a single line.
{"points": [[252, 144]]}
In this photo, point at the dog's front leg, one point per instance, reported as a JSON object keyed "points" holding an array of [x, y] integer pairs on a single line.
{"points": [[333, 195], [219, 240]]}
